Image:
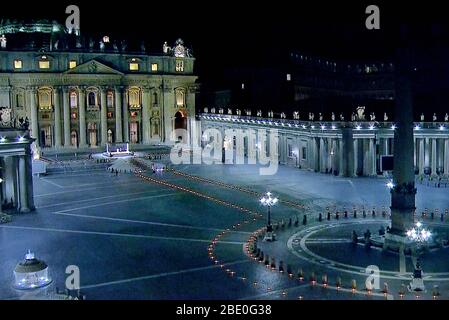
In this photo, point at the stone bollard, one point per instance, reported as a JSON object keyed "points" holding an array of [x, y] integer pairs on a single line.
{"points": [[337, 215], [313, 278], [328, 216], [267, 260], [402, 291], [324, 280], [338, 283], [320, 217], [289, 270], [304, 220], [300, 274], [281, 266], [289, 222], [355, 213], [435, 291], [385, 289], [353, 285], [261, 257], [346, 214], [296, 222], [273, 264]]}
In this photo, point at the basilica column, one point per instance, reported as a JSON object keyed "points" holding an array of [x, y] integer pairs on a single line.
{"points": [[146, 115], [421, 156], [82, 120], [104, 117], [57, 107], [66, 107], [34, 115], [118, 115], [125, 117], [23, 185], [434, 157]]}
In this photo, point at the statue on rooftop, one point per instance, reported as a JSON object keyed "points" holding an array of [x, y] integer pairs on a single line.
{"points": [[342, 117], [434, 117], [385, 116], [361, 113], [3, 42], [333, 116], [165, 48], [422, 116], [446, 117]]}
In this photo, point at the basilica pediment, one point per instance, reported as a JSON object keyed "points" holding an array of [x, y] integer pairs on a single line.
{"points": [[93, 67]]}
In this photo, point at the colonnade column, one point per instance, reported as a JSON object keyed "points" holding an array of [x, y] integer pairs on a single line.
{"points": [[104, 117], [66, 111], [427, 153], [82, 120], [356, 157], [322, 155], [372, 157], [57, 106], [446, 156], [421, 156], [434, 157], [347, 153]]}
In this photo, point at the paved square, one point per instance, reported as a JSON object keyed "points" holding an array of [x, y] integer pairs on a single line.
{"points": [[135, 239]]}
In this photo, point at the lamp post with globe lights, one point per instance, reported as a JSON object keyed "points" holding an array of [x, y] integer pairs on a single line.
{"points": [[268, 201]]}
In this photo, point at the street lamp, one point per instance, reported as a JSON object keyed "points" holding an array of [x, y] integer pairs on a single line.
{"points": [[269, 201]]}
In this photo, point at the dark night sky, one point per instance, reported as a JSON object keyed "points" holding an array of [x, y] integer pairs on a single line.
{"points": [[235, 33]]}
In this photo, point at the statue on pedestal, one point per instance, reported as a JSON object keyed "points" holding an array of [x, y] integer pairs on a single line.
{"points": [[422, 116]]}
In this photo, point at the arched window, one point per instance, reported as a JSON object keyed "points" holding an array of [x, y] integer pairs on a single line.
{"points": [[110, 99], [180, 97], [155, 98], [20, 99], [134, 97], [73, 99], [92, 99], [44, 97]]}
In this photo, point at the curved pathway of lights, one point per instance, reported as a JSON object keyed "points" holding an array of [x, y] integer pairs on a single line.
{"points": [[298, 279]]}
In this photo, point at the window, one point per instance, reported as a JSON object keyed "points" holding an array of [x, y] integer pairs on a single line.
{"points": [[72, 64], [73, 100], [133, 66], [134, 97], [44, 64], [289, 77], [154, 98], [44, 97], [74, 115], [92, 99], [304, 153], [17, 64], [110, 99], [180, 97], [154, 67], [110, 115], [179, 66]]}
